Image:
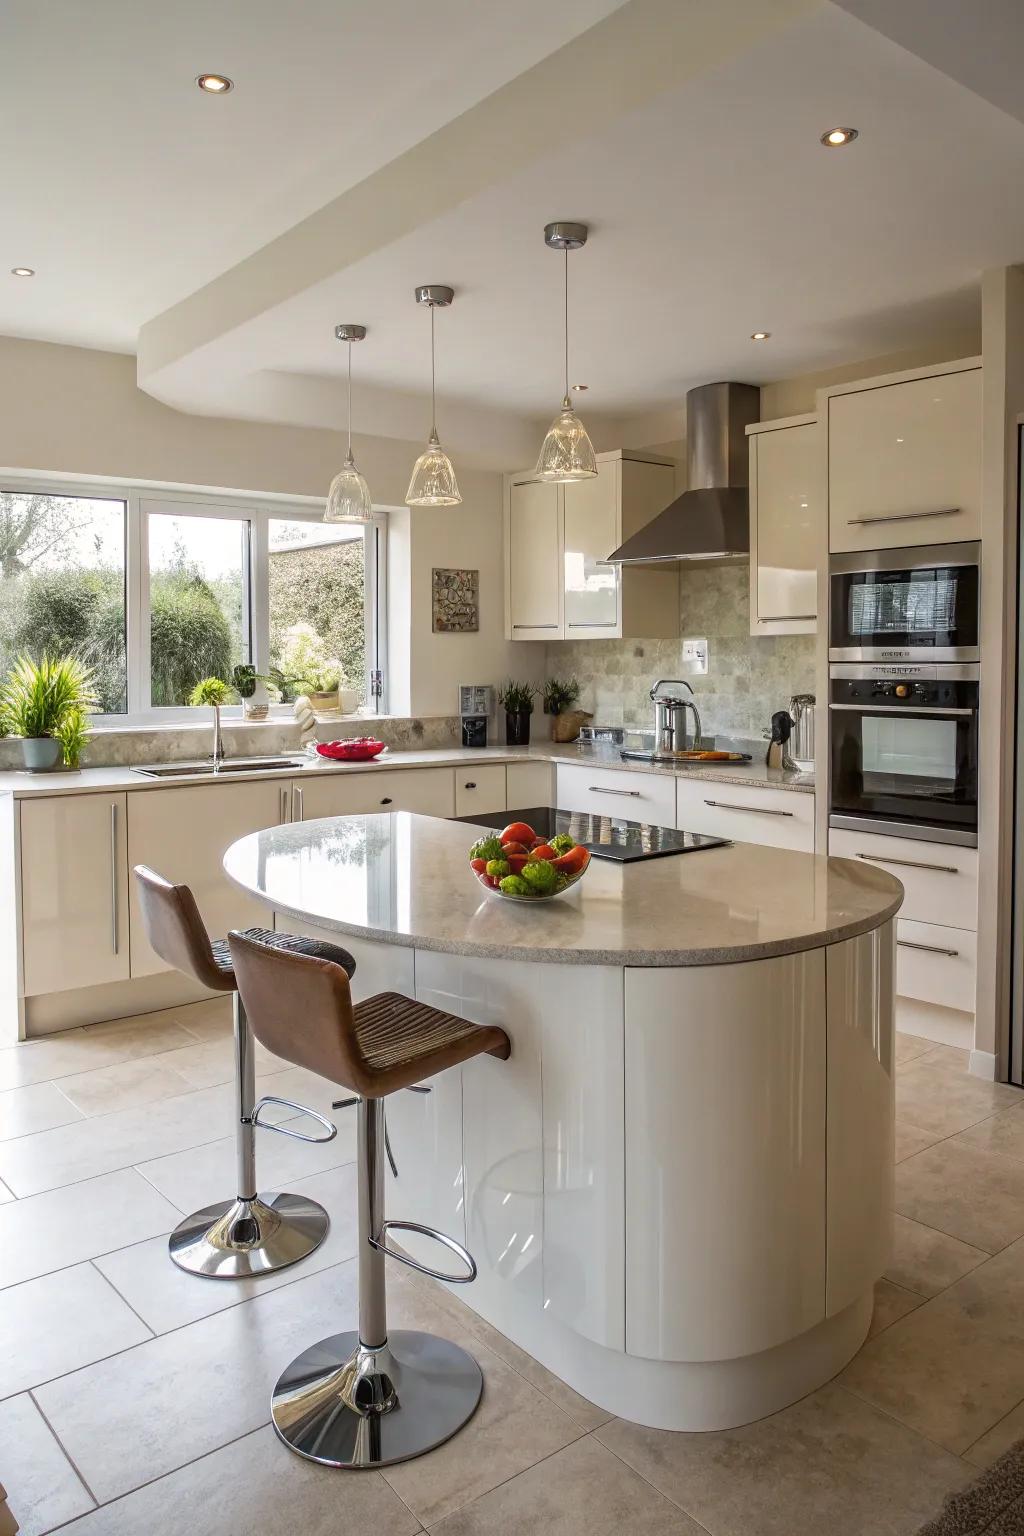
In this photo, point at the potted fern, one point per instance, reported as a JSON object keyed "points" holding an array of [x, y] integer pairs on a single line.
{"points": [[560, 694], [46, 703], [517, 701]]}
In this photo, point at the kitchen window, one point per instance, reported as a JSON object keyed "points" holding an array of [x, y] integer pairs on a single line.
{"points": [[159, 589]]}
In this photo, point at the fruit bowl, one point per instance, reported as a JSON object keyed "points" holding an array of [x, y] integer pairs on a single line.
{"points": [[360, 749], [517, 865]]}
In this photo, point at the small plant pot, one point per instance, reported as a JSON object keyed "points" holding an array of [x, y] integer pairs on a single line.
{"points": [[517, 728], [325, 703], [40, 754], [255, 709], [566, 726]]}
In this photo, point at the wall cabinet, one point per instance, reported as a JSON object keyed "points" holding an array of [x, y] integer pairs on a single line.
{"points": [[74, 892], [904, 461], [184, 833], [785, 514], [558, 583]]}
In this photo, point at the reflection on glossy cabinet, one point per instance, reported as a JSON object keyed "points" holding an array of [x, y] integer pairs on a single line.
{"points": [[533, 557], [74, 892], [904, 462], [183, 833], [591, 600], [784, 526]]}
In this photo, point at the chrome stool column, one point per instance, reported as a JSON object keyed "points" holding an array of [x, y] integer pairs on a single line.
{"points": [[367, 1397], [255, 1233]]}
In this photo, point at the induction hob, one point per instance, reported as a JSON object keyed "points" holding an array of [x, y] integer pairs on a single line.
{"points": [[607, 837]]}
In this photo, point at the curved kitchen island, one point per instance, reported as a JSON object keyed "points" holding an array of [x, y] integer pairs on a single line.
{"points": [[678, 1189]]}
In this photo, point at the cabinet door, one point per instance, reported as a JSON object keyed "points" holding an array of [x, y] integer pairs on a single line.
{"points": [[784, 531], [427, 791], [592, 524], [534, 562], [74, 892], [529, 784], [905, 463], [183, 833], [480, 787]]}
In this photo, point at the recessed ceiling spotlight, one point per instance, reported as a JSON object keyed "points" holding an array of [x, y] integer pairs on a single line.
{"points": [[579, 388], [214, 85], [759, 335], [835, 138], [23, 271]]}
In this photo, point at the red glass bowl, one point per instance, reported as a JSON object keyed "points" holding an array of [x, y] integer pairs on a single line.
{"points": [[361, 749]]}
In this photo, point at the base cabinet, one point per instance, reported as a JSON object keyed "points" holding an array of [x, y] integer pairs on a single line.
{"points": [[425, 791], [746, 813]]}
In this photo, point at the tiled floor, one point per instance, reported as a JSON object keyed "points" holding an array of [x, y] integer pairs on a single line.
{"points": [[134, 1398]]}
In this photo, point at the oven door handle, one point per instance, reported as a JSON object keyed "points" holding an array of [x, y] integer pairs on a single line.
{"points": [[903, 709]]}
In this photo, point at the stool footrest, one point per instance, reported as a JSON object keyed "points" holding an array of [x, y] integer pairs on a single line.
{"points": [[284, 1130], [425, 1269]]}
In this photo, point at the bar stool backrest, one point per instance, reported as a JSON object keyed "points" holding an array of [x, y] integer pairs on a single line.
{"points": [[176, 931], [300, 1007]]}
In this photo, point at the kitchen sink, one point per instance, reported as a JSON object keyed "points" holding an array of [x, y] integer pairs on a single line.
{"points": [[230, 765]]}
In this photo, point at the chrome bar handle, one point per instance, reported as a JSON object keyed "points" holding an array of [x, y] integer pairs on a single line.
{"points": [[901, 517], [599, 789], [882, 858], [755, 810], [929, 949], [425, 1269], [282, 1130], [283, 817], [297, 813], [115, 913], [788, 618], [902, 709], [534, 626]]}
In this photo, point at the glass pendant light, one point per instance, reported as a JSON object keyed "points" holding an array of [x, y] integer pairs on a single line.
{"points": [[567, 453], [348, 500], [433, 482]]}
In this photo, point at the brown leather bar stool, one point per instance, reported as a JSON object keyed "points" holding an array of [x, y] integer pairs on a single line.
{"points": [[256, 1233], [365, 1398]]}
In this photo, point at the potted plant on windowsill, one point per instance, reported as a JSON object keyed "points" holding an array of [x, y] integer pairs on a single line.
{"points": [[245, 679], [304, 653], [46, 704], [560, 694], [516, 699]]}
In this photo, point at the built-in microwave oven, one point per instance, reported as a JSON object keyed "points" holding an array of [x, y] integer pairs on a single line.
{"points": [[917, 604]]}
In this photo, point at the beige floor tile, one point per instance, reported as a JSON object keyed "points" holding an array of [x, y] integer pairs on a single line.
{"points": [[891, 1303], [911, 1139], [975, 1196], [126, 1085], [206, 1063], [211, 1020], [829, 1463], [211, 1381], [96, 1045], [43, 1489], [66, 1226], [91, 1147], [39, 1107], [59, 1323], [166, 1297], [945, 1101], [910, 1047], [927, 1261], [952, 1056], [1002, 1133], [999, 1439], [256, 1487], [583, 1490], [586, 1414]]}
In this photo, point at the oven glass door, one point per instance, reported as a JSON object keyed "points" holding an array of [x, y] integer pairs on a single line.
{"points": [[934, 608], [906, 767]]}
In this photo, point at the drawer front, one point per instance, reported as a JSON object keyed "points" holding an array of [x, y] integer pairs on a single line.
{"points": [[940, 883], [480, 787], [625, 796], [936, 964], [427, 791], [778, 818]]}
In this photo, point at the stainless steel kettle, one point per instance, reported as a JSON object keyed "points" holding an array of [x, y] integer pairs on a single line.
{"points": [[801, 741]]}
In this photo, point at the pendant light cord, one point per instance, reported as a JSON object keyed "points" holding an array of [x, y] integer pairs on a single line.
{"points": [[567, 325], [350, 397], [433, 387]]}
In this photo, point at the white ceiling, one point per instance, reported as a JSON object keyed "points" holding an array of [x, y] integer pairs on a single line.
{"points": [[126, 187]]}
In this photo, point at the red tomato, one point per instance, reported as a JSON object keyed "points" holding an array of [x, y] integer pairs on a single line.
{"points": [[573, 862], [513, 848], [518, 832], [516, 861], [545, 851], [538, 842], [478, 864]]}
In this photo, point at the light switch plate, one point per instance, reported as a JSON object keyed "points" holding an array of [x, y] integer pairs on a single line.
{"points": [[695, 655]]}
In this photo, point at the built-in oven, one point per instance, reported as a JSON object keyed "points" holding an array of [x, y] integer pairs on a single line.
{"points": [[915, 604], [903, 748]]}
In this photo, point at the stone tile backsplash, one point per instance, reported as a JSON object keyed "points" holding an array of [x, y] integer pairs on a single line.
{"points": [[749, 676]]}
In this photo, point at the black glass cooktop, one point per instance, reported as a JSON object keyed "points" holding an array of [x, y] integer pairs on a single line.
{"points": [[607, 837]]}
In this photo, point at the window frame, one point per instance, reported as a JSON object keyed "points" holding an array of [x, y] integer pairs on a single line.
{"points": [[142, 500]]}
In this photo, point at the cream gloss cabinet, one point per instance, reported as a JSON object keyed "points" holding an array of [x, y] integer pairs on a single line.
{"points": [[785, 511], [904, 460], [74, 892], [558, 582], [424, 791]]}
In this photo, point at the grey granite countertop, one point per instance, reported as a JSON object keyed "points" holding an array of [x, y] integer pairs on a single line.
{"points": [[96, 780], [405, 880]]}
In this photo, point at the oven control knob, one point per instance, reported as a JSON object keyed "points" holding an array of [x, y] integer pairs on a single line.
{"points": [[903, 690]]}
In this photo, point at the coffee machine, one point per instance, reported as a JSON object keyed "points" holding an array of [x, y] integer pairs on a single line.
{"points": [[474, 707]]}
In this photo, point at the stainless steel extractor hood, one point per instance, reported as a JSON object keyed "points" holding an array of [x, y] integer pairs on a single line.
{"points": [[710, 521]]}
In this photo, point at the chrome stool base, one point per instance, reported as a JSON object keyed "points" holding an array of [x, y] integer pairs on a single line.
{"points": [[238, 1238], [345, 1406]]}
